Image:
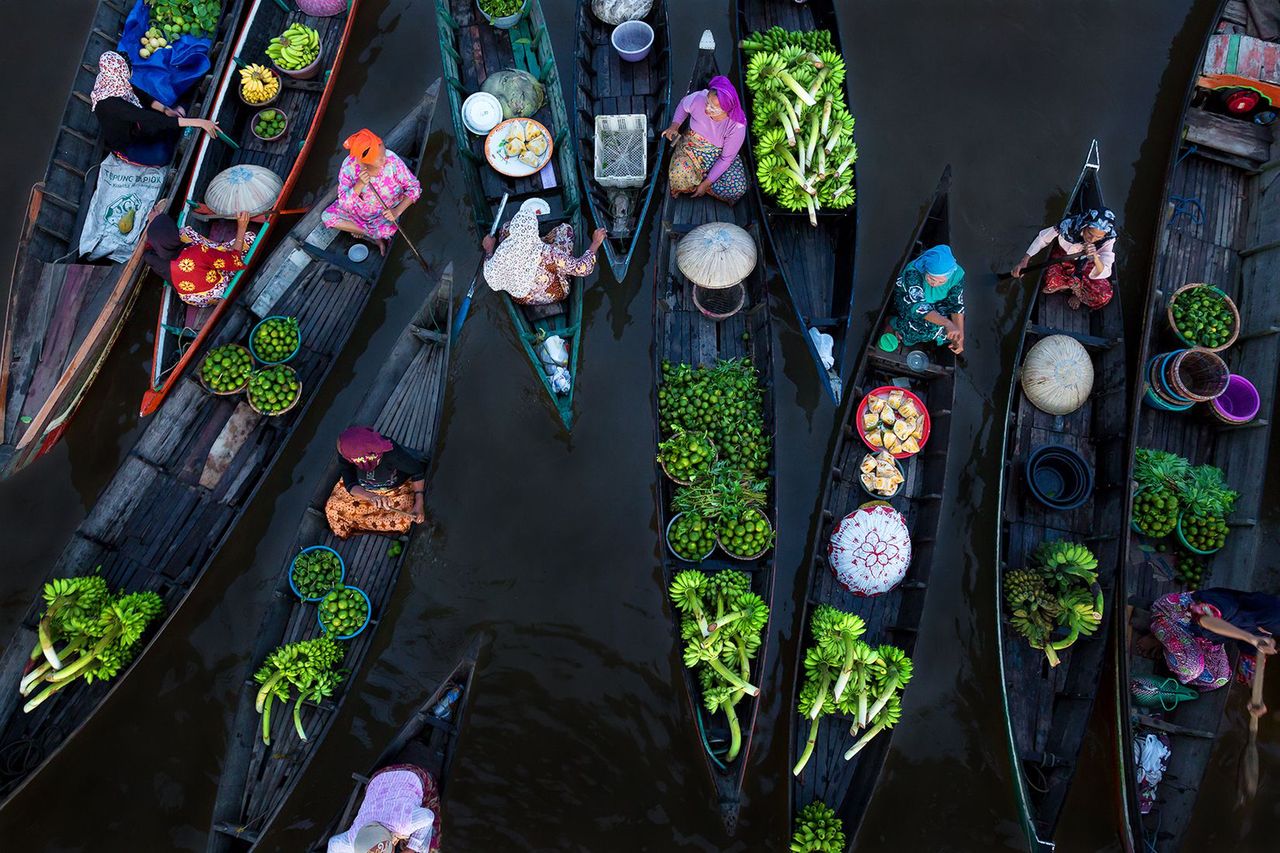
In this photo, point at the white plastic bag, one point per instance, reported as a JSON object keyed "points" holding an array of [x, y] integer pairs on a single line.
{"points": [[560, 380], [825, 344], [554, 352], [122, 187]]}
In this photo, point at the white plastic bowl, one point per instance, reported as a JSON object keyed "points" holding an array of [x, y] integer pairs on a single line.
{"points": [[632, 40], [358, 252], [481, 113]]}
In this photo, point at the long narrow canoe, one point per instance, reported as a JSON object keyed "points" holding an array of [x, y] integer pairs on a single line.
{"points": [[892, 617], [63, 316], [683, 335], [181, 329], [404, 402], [816, 263], [1217, 211], [180, 491], [425, 741], [605, 84], [1047, 708], [471, 50]]}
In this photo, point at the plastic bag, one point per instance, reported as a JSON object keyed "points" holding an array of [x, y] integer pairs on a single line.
{"points": [[554, 352], [825, 346], [118, 211], [519, 92], [617, 11]]}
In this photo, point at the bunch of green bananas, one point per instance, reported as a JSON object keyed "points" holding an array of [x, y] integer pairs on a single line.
{"points": [[777, 38], [818, 830], [1081, 611], [1033, 608], [295, 48], [1066, 564]]}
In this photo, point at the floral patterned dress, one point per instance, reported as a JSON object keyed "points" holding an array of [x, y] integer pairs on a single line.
{"points": [[364, 210], [914, 297], [204, 269]]}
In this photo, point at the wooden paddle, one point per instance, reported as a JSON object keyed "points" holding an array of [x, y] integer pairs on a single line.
{"points": [[1060, 259], [1249, 762], [396, 223], [465, 306]]}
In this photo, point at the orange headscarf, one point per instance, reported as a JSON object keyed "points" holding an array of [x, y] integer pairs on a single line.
{"points": [[364, 145]]}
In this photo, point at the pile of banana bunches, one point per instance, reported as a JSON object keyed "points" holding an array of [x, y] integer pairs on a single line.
{"points": [[343, 611], [258, 84], [273, 390], [226, 368], [686, 455], [269, 124], [1204, 533], [745, 536], [1155, 512], [295, 48], [276, 339], [691, 538], [1202, 317], [316, 572], [1188, 570]]}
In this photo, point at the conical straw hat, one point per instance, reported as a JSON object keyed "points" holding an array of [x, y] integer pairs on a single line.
{"points": [[1057, 375], [716, 255]]}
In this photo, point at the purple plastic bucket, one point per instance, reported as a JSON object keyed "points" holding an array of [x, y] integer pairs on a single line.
{"points": [[1238, 404]]}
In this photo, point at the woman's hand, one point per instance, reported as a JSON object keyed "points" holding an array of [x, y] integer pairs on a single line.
{"points": [[489, 243], [1021, 267], [1258, 710], [390, 214], [702, 189], [597, 238], [671, 134], [1264, 644], [209, 126]]}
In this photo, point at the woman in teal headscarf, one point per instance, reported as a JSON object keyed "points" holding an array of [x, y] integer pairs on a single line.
{"points": [[928, 300]]}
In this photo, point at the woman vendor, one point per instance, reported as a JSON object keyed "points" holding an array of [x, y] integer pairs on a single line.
{"points": [[928, 300], [1091, 232], [707, 161], [400, 811], [199, 269], [535, 270], [125, 122], [381, 486], [375, 188], [1193, 627]]}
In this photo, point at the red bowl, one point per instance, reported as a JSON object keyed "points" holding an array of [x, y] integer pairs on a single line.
{"points": [[883, 391]]}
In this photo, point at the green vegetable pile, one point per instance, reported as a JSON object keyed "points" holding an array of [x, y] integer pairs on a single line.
{"points": [[343, 611], [726, 403], [85, 632], [722, 623], [176, 18], [844, 674], [274, 390], [686, 455], [316, 572], [1201, 317], [309, 667], [691, 537], [1204, 533], [226, 368], [1188, 570], [1195, 496], [268, 125], [802, 127], [1057, 592], [1155, 512], [733, 504], [818, 830], [744, 534], [276, 338], [501, 8]]}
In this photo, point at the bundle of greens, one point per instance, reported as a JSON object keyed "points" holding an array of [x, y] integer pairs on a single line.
{"points": [[818, 830], [85, 632], [802, 126], [1057, 590], [310, 667], [722, 625], [1171, 490]]}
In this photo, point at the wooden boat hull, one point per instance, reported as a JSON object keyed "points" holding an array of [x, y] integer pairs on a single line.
{"points": [[180, 331], [196, 467], [470, 51], [604, 84], [1047, 709], [62, 319], [893, 617], [816, 263]]}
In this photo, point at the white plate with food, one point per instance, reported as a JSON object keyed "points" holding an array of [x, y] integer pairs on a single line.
{"points": [[519, 147]]}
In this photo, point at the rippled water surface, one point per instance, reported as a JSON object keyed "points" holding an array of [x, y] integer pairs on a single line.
{"points": [[547, 544]]}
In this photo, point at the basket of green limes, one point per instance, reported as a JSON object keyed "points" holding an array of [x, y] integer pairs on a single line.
{"points": [[275, 340], [274, 390], [344, 611], [226, 370], [315, 571]]}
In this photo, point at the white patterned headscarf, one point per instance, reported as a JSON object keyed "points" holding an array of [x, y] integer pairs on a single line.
{"points": [[515, 264], [113, 80]]}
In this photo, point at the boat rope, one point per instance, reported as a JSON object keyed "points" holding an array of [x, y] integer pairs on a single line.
{"points": [[1188, 206], [1191, 149]]}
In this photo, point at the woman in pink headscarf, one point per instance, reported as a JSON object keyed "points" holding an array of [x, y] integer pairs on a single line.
{"points": [[707, 161], [381, 489]]}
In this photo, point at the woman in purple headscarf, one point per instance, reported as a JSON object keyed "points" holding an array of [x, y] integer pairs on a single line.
{"points": [[381, 489], [707, 161]]}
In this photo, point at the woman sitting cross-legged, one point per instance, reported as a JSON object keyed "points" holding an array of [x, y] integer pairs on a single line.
{"points": [[928, 301], [375, 188], [535, 270], [707, 161], [400, 811], [381, 489]]}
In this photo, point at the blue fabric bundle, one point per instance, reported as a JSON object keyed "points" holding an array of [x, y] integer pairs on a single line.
{"points": [[168, 74]]}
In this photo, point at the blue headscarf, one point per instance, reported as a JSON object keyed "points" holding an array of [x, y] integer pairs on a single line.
{"points": [[1072, 228], [937, 261]]}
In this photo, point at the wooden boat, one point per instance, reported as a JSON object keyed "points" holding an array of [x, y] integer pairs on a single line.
{"points": [[181, 330], [684, 335], [404, 402], [63, 315], [426, 741], [816, 263], [605, 84], [892, 617], [1220, 225], [1047, 708], [471, 50], [180, 491]]}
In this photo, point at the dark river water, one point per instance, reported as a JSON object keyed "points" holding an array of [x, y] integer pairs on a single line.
{"points": [[547, 545]]}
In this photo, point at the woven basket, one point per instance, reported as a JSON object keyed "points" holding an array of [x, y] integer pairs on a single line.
{"points": [[243, 385], [289, 408], [1195, 374], [1235, 317]]}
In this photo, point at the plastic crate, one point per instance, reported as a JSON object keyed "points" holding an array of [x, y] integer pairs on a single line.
{"points": [[621, 153]]}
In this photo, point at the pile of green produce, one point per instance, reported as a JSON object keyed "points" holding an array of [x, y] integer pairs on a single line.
{"points": [[1172, 491], [733, 503], [343, 611], [268, 125], [726, 403], [1057, 590], [818, 830], [744, 534], [226, 368], [501, 8], [295, 48], [274, 390], [175, 18], [316, 572], [1188, 570], [845, 674], [85, 633], [276, 338], [802, 126], [1204, 533], [1155, 512], [309, 667], [1201, 317], [722, 624], [691, 537], [686, 455]]}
